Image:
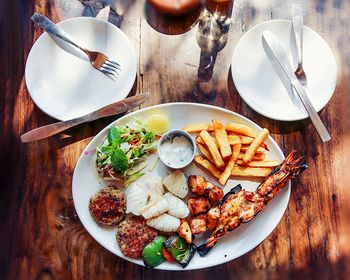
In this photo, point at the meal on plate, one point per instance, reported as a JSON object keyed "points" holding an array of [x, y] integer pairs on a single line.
{"points": [[161, 218]]}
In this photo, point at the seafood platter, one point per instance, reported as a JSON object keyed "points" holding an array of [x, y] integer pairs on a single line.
{"points": [[171, 190]]}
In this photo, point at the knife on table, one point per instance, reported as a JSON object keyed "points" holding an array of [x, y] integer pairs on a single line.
{"points": [[109, 110], [283, 67]]}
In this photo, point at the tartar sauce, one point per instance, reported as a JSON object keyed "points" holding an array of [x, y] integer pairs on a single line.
{"points": [[176, 150]]}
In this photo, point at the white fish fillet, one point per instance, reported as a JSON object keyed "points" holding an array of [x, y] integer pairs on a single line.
{"points": [[165, 222], [176, 183], [136, 198], [158, 205], [177, 207], [154, 185]]}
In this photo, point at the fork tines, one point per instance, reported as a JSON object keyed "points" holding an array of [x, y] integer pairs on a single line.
{"points": [[110, 68]]}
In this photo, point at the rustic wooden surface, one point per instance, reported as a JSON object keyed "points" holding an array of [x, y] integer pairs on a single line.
{"points": [[41, 236]]}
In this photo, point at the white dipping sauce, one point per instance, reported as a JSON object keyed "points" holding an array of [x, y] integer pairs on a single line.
{"points": [[176, 150]]}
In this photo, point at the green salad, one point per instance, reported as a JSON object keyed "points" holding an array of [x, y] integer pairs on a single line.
{"points": [[126, 147]]}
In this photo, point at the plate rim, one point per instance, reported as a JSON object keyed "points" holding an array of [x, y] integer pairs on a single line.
{"points": [[255, 108], [212, 107], [45, 34]]}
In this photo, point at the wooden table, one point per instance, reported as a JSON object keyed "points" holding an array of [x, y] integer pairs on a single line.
{"points": [[41, 235]]}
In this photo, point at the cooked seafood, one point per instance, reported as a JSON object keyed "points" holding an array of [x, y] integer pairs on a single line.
{"points": [[185, 231], [198, 185], [158, 205], [136, 198], [176, 183], [176, 206], [154, 185], [198, 224], [240, 206], [198, 205], [164, 222], [213, 217], [107, 206], [215, 194]]}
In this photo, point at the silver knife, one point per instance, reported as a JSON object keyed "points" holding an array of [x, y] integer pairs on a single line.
{"points": [[109, 110], [280, 61]]}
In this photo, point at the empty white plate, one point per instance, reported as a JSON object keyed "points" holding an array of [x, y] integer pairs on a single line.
{"points": [[259, 85], [65, 86]]}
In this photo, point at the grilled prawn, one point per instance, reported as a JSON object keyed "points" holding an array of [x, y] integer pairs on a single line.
{"points": [[240, 206]]}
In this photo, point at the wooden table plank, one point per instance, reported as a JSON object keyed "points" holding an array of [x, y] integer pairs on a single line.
{"points": [[40, 232]]}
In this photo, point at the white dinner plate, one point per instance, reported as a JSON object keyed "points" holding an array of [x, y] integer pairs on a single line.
{"points": [[232, 245], [65, 86], [259, 85]]}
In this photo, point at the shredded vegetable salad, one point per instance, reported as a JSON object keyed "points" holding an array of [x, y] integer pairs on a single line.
{"points": [[121, 156]]}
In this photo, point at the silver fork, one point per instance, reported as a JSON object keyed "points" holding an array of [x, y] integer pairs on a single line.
{"points": [[98, 60], [298, 25]]}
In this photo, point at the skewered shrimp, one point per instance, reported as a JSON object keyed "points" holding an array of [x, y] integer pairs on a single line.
{"points": [[240, 206]]}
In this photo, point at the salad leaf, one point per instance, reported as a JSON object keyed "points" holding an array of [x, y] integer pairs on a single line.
{"points": [[125, 147], [113, 136], [107, 150], [119, 160]]}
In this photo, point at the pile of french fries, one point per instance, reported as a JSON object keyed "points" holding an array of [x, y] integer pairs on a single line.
{"points": [[234, 150]]}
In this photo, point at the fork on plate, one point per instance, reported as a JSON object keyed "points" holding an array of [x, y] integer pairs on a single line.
{"points": [[98, 60], [298, 25]]}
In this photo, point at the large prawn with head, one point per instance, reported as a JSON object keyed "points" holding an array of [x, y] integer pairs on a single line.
{"points": [[240, 206]]}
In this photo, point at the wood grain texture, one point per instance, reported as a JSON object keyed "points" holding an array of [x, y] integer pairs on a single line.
{"points": [[41, 236]]}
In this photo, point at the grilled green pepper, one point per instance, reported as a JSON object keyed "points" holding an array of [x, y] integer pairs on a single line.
{"points": [[180, 250], [152, 253]]}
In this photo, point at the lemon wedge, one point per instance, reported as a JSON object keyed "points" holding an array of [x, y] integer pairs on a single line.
{"points": [[158, 123]]}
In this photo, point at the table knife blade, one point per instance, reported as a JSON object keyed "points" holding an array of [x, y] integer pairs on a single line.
{"points": [[278, 56], [109, 110]]}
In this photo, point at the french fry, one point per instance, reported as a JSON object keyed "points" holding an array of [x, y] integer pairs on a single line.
{"points": [[259, 163], [205, 152], [221, 138], [234, 139], [256, 157], [250, 171], [196, 128], [209, 142], [264, 146], [206, 164], [244, 140], [249, 154], [199, 140], [259, 150], [240, 129], [227, 172]]}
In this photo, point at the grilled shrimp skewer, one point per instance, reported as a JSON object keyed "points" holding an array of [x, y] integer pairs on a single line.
{"points": [[240, 206]]}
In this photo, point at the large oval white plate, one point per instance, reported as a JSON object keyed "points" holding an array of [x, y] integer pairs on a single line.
{"points": [[261, 88], [65, 86], [231, 246]]}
